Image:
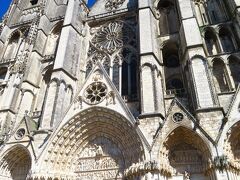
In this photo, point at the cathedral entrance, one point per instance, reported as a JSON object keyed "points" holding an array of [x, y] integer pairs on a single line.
{"points": [[187, 154], [96, 144], [15, 165]]}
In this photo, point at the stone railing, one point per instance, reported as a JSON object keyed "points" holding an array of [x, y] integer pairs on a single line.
{"points": [[47, 58], [176, 92]]}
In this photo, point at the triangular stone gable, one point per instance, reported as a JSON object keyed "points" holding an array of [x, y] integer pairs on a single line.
{"points": [[100, 7], [178, 115], [23, 131], [111, 99]]}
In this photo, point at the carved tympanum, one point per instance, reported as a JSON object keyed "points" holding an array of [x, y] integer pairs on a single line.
{"points": [[100, 159]]}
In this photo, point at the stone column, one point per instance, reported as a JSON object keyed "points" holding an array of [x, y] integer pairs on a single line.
{"points": [[192, 47], [152, 110], [148, 60]]}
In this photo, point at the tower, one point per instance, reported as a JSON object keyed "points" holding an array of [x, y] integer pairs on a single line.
{"points": [[125, 89]]}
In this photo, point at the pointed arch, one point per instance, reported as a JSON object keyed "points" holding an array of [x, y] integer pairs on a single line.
{"points": [[172, 69], [13, 44], [15, 163], [53, 39], [234, 65], [186, 151], [168, 14], [92, 135], [226, 40], [220, 76], [211, 42]]}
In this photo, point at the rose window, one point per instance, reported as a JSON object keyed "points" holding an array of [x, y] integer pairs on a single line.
{"points": [[95, 93], [178, 117], [109, 38], [20, 134]]}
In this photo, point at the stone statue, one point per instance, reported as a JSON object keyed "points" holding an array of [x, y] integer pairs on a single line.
{"points": [[110, 98]]}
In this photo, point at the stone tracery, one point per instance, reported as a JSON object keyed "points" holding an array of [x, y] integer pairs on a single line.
{"points": [[109, 38], [113, 4]]}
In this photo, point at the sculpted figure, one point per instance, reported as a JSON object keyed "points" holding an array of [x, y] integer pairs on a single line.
{"points": [[110, 98]]}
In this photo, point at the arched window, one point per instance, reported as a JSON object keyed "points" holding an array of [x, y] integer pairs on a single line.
{"points": [[201, 12], [53, 39], [169, 20], [234, 65], [3, 72], [129, 74], [220, 76], [216, 11], [172, 69], [12, 46], [211, 43], [226, 40]]}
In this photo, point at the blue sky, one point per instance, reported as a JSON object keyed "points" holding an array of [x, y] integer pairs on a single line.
{"points": [[4, 6], [5, 3]]}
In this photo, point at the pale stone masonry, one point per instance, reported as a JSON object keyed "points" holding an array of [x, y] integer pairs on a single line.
{"points": [[126, 89]]}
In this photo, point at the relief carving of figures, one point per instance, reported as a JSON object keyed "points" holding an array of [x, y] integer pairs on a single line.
{"points": [[100, 159]]}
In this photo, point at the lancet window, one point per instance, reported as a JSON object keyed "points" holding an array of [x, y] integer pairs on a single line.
{"points": [[210, 11], [172, 69], [168, 14], [220, 76], [53, 39]]}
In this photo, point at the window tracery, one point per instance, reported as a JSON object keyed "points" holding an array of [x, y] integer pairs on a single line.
{"points": [[114, 45], [210, 11], [95, 93]]}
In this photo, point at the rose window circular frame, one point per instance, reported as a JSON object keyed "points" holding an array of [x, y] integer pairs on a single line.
{"points": [[95, 93], [20, 133], [178, 117]]}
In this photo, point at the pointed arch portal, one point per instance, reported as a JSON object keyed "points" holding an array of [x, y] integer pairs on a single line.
{"points": [[16, 164], [187, 153], [98, 143]]}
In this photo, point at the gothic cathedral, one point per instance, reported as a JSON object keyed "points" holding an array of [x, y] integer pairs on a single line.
{"points": [[121, 90]]}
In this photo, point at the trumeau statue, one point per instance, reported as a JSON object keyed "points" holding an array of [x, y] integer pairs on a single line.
{"points": [[124, 89]]}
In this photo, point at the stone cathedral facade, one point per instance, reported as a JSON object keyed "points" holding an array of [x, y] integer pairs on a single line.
{"points": [[126, 89]]}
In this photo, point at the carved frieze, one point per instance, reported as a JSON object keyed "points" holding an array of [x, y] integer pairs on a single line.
{"points": [[100, 159], [113, 4]]}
